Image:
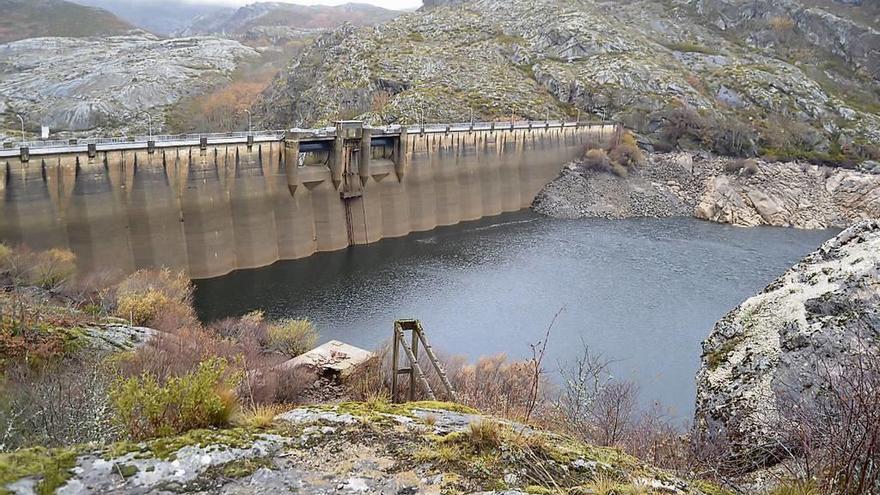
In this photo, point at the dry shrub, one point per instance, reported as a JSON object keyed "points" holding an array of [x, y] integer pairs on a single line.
{"points": [[61, 403], [148, 407], [260, 415], [251, 326], [154, 296], [834, 436], [49, 269], [593, 406], [686, 127], [221, 110], [495, 385], [276, 385], [28, 332], [796, 488], [5, 254], [785, 137], [730, 137], [372, 378], [292, 337], [626, 153], [597, 159], [653, 437], [95, 290], [684, 122], [484, 434], [781, 25], [380, 101], [140, 309], [619, 170], [178, 349]]}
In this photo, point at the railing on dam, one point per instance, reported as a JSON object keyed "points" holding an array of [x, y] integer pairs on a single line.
{"points": [[210, 204], [84, 145]]}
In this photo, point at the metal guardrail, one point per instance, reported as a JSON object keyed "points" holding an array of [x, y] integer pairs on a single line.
{"points": [[163, 138], [168, 140]]}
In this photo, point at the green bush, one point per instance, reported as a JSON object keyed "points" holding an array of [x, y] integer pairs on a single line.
{"points": [[202, 398], [292, 337]]}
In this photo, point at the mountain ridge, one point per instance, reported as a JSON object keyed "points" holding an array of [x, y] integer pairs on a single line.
{"points": [[24, 19], [662, 67]]}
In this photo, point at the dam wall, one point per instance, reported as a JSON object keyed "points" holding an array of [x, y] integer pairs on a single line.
{"points": [[209, 209]]}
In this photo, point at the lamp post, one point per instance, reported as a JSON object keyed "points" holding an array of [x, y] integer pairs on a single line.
{"points": [[20, 119], [250, 127]]}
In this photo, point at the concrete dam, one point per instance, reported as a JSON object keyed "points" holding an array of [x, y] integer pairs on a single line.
{"points": [[211, 205]]}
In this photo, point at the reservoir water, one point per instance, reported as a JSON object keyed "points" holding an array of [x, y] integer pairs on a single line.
{"points": [[643, 292]]}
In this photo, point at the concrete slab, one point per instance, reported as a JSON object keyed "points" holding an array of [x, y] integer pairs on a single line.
{"points": [[335, 358]]}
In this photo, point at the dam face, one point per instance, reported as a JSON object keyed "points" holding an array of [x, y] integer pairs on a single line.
{"points": [[209, 209]]}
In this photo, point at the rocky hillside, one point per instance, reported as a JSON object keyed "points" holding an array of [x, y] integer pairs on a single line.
{"points": [[746, 193], [352, 448], [277, 20], [672, 70], [23, 19], [792, 341], [102, 84]]}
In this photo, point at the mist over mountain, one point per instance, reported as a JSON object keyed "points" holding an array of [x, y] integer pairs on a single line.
{"points": [[23, 19], [163, 17]]}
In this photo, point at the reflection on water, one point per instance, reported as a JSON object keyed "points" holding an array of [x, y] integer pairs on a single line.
{"points": [[642, 292]]}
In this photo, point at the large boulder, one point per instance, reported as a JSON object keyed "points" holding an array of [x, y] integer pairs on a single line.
{"points": [[769, 350]]}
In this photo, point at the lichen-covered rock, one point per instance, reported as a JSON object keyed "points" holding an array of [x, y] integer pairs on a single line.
{"points": [[818, 314], [350, 448]]}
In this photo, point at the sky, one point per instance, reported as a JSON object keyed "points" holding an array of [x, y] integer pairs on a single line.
{"points": [[388, 4]]}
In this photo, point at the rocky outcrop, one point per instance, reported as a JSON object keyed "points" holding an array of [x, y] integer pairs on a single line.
{"points": [[626, 61], [737, 192], [846, 32], [820, 313], [353, 448], [103, 84], [806, 197]]}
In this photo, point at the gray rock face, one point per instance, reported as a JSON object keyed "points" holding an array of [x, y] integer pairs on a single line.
{"points": [[837, 31], [682, 184], [819, 313], [103, 83], [259, 15], [627, 61]]}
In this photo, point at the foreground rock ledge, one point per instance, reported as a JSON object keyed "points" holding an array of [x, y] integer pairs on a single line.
{"points": [[823, 310], [350, 448]]}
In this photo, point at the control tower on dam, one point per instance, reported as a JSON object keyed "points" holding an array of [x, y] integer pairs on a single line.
{"points": [[210, 205]]}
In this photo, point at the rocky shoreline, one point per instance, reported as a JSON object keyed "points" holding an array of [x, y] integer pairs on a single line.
{"points": [[744, 193]]}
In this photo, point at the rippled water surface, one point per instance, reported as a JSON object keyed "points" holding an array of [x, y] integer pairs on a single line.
{"points": [[642, 292]]}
